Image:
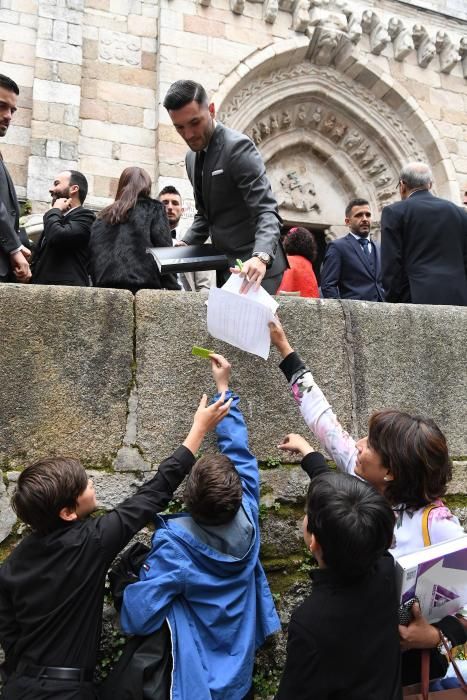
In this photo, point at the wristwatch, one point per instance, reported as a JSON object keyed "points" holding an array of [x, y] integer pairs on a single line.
{"points": [[264, 257]]}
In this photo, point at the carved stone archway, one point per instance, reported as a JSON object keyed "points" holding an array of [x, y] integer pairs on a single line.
{"points": [[326, 138]]}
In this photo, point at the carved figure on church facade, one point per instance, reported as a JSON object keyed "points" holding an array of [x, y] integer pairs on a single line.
{"points": [[402, 41], [297, 194]]}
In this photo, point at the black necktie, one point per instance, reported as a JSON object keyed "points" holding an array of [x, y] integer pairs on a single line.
{"points": [[200, 156], [365, 243]]}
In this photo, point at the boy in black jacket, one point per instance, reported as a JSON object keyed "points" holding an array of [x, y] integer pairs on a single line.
{"points": [[343, 641], [52, 585]]}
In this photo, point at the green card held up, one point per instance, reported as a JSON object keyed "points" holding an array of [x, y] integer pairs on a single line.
{"points": [[201, 352]]}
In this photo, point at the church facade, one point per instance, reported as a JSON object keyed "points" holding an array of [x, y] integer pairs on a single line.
{"points": [[336, 95]]}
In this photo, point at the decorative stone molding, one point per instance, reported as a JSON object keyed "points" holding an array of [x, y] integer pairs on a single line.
{"points": [[118, 48], [448, 54], [401, 38], [271, 10], [463, 54], [425, 47], [296, 193], [237, 6], [334, 27], [379, 37], [301, 16]]}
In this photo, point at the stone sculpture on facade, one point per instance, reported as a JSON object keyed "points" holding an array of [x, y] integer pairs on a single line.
{"points": [[402, 41], [448, 54], [379, 37], [297, 194], [425, 47]]}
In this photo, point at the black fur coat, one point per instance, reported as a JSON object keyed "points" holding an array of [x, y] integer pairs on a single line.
{"points": [[118, 256]]}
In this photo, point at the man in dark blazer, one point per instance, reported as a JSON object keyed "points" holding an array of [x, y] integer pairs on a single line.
{"points": [[352, 264], [423, 244], [14, 266], [233, 196], [61, 255]]}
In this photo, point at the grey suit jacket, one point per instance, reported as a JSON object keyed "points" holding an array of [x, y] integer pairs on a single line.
{"points": [[9, 220], [240, 212]]}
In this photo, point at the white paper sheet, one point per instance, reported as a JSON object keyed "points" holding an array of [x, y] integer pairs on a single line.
{"points": [[241, 319]]}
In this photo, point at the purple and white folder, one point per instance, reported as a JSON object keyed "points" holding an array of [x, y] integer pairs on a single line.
{"points": [[437, 575]]}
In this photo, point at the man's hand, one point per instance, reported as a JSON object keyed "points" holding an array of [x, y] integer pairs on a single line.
{"points": [[205, 419], [62, 203], [253, 271], [220, 371], [26, 252], [279, 338], [296, 444], [419, 634], [177, 244], [20, 267]]}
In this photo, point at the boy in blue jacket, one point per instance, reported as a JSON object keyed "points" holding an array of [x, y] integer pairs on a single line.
{"points": [[203, 574]]}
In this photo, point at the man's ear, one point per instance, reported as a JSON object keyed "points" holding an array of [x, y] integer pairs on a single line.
{"points": [[212, 110], [388, 477], [68, 514], [315, 547], [74, 189], [347, 221]]}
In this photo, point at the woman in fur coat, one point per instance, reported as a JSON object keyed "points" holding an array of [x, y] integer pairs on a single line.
{"points": [[122, 233]]}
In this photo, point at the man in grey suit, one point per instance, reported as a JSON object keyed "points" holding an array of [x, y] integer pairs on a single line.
{"points": [[14, 266], [233, 196]]}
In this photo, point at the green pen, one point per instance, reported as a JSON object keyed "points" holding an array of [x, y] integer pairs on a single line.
{"points": [[239, 264], [201, 352]]}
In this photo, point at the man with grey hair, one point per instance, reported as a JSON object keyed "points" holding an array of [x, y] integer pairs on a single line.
{"points": [[423, 244]]}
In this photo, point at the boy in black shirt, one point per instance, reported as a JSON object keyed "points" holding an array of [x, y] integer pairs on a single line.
{"points": [[52, 585], [343, 641]]}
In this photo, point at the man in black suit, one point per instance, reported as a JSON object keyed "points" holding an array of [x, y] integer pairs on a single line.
{"points": [[61, 255], [352, 264], [423, 244], [233, 196], [14, 266]]}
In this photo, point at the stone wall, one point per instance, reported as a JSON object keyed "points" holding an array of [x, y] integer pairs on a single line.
{"points": [[110, 378]]}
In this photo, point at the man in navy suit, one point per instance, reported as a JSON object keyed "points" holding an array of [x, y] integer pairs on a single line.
{"points": [[352, 264], [424, 244]]}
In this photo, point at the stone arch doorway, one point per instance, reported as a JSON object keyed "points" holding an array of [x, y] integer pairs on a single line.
{"points": [[327, 138]]}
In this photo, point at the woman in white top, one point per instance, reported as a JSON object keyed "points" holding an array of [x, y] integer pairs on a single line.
{"points": [[403, 456], [406, 458]]}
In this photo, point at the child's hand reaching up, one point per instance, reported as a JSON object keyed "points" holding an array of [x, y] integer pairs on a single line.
{"points": [[205, 419], [296, 444], [220, 371]]}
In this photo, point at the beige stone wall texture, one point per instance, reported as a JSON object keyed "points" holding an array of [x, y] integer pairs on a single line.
{"points": [[336, 96]]}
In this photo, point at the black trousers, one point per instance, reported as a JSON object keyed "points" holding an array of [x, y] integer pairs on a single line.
{"points": [[26, 688]]}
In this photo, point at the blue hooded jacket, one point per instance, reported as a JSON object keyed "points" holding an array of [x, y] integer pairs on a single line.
{"points": [[208, 583]]}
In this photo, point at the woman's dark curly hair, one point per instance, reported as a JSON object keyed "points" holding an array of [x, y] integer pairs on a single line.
{"points": [[300, 241], [415, 451]]}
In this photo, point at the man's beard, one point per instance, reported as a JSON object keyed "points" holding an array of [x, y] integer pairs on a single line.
{"points": [[65, 194]]}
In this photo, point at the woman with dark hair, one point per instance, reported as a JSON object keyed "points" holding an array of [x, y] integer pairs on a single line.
{"points": [[300, 247], [122, 233], [405, 457]]}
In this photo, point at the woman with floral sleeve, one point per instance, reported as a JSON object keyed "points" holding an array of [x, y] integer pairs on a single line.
{"points": [[405, 457]]}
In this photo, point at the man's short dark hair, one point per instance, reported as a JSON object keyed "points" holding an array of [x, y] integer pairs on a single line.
{"points": [[8, 84], [169, 189], [182, 92], [44, 488], [77, 178], [352, 522], [213, 491], [357, 202]]}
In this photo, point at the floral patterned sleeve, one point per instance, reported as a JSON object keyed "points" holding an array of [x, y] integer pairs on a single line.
{"points": [[318, 414]]}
